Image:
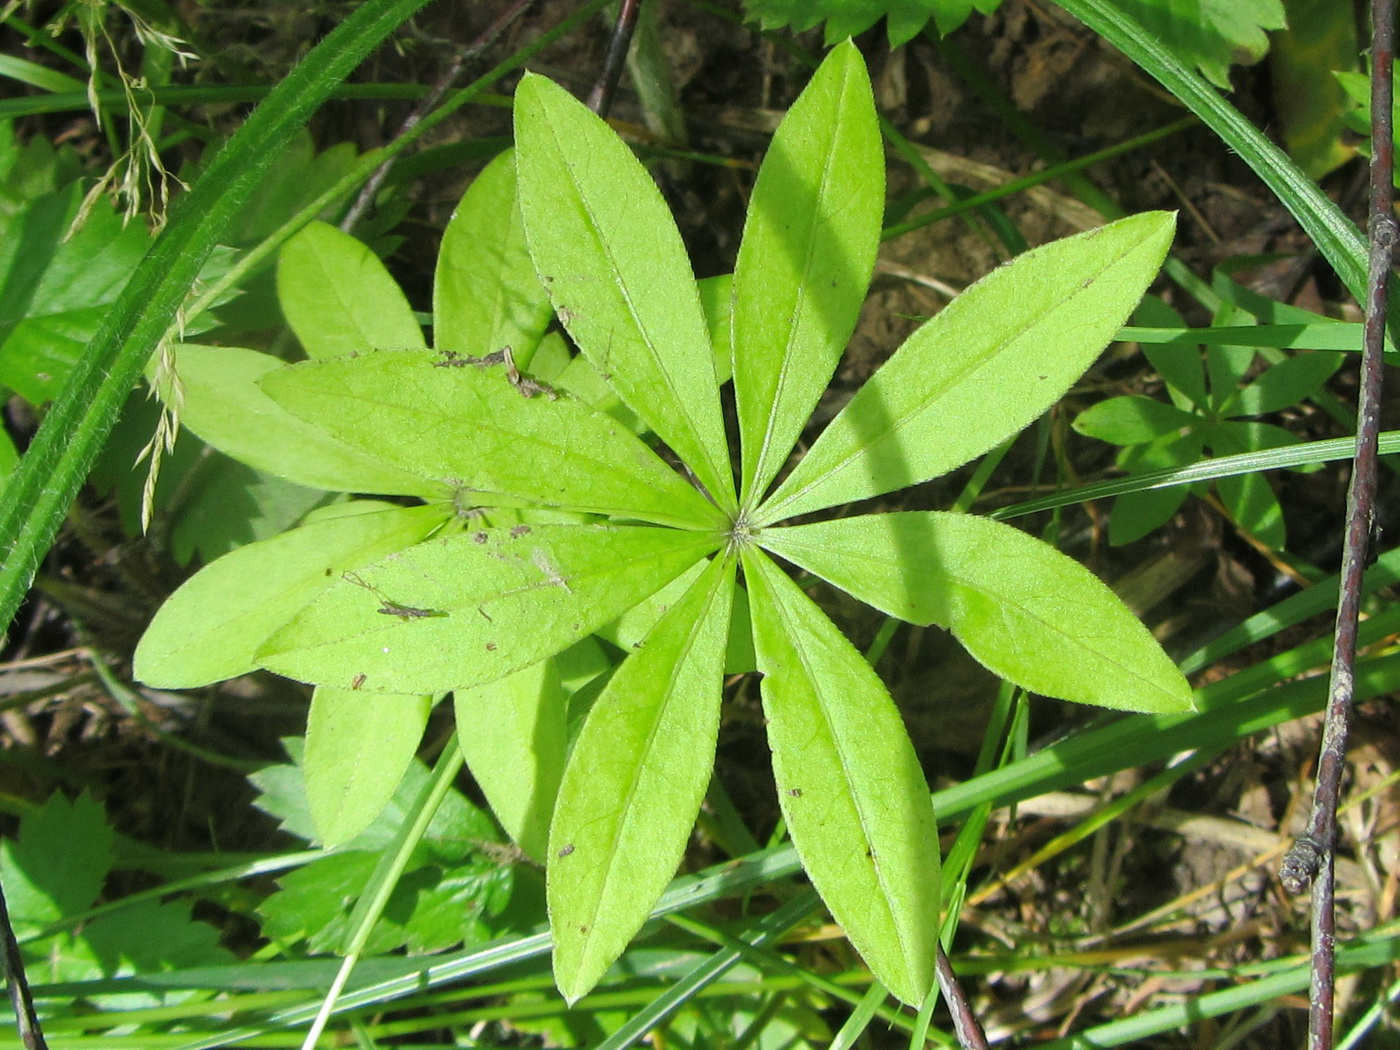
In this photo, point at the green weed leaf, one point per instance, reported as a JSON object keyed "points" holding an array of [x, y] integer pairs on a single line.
{"points": [[1024, 610], [634, 783], [990, 362], [1133, 420], [468, 609], [513, 735], [210, 628], [357, 748], [611, 258], [55, 867], [805, 261], [485, 292], [851, 789], [223, 404], [339, 298], [470, 430], [1285, 384]]}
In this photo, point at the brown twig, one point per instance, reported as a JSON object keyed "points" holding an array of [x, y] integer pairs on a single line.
{"points": [[26, 1020], [427, 103], [965, 1023], [1313, 855], [601, 97]]}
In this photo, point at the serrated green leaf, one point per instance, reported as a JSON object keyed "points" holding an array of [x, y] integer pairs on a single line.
{"points": [[469, 609], [1210, 34], [852, 793], [56, 865], [211, 627], [1132, 420], [514, 735], [468, 429], [221, 402], [1026, 612], [338, 297], [612, 260], [993, 360], [805, 261], [151, 936], [634, 784], [486, 294], [847, 18], [357, 748]]}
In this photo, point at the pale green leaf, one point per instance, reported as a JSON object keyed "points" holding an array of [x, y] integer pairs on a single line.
{"points": [[338, 297], [219, 400], [513, 734], [634, 784], [469, 609], [609, 254], [469, 429], [1133, 420], [485, 293], [805, 261], [992, 361], [850, 786], [1026, 612], [210, 628], [357, 748]]}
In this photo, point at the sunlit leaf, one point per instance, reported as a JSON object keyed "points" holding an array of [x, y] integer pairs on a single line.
{"points": [[1024, 610], [992, 361], [339, 298], [357, 748], [220, 400], [492, 442], [609, 254], [210, 628], [513, 733], [634, 783], [805, 261], [468, 609], [852, 793], [485, 292]]}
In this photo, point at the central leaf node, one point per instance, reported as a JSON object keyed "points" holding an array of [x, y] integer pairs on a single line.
{"points": [[742, 533]]}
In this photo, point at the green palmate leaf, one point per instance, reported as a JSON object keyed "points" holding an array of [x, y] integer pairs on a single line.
{"points": [[611, 258], [982, 369], [1024, 610], [494, 442], [805, 261], [634, 783], [485, 292], [339, 298], [851, 789], [210, 628], [220, 401], [357, 748], [512, 733], [1132, 420], [469, 609]]}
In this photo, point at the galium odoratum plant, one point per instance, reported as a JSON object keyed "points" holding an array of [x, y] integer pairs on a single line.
{"points": [[474, 605]]}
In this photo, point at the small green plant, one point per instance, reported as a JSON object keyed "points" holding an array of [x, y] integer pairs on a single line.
{"points": [[1212, 410], [546, 520], [54, 871]]}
